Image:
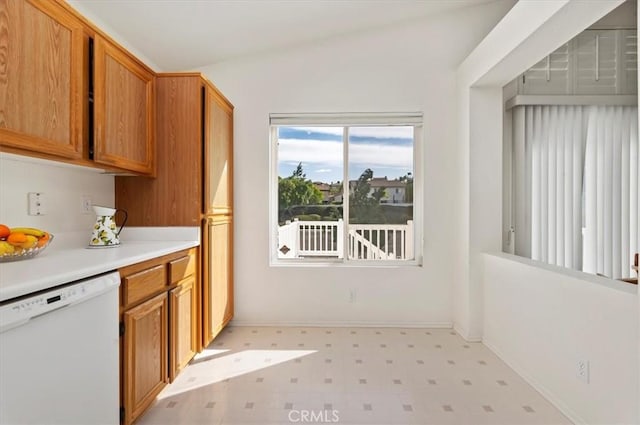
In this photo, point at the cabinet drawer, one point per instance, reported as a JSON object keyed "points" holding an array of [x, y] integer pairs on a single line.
{"points": [[182, 267], [143, 284]]}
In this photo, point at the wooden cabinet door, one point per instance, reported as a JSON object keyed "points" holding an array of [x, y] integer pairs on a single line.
{"points": [[183, 325], [123, 110], [218, 154], [145, 355], [218, 276], [174, 197], [41, 75]]}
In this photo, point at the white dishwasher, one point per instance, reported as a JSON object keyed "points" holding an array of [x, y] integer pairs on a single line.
{"points": [[59, 355]]}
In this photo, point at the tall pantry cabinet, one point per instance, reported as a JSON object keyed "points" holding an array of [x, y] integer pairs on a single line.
{"points": [[217, 225], [193, 184]]}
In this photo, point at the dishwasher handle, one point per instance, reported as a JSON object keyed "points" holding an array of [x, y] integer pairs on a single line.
{"points": [[20, 312], [26, 319]]}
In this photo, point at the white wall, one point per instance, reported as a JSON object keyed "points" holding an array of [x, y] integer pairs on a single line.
{"points": [[62, 186], [82, 7], [485, 220], [528, 32], [531, 30], [542, 319], [409, 68]]}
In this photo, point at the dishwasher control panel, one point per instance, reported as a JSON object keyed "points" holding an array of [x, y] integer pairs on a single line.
{"points": [[15, 313]]}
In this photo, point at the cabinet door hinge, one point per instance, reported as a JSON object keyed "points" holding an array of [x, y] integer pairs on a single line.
{"points": [[121, 328], [523, 79]]}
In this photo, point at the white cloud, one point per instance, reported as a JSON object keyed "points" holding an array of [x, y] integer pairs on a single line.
{"points": [[377, 132], [323, 170], [383, 132], [328, 154], [337, 131], [382, 155]]}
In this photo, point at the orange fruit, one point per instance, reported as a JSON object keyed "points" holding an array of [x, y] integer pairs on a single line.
{"points": [[17, 238], [43, 240], [4, 231]]}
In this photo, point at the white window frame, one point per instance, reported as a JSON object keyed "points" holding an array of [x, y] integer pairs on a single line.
{"points": [[414, 119]]}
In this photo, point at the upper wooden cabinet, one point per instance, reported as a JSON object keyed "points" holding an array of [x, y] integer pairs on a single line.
{"points": [[41, 77], [194, 148], [123, 109], [174, 197], [62, 100], [218, 154]]}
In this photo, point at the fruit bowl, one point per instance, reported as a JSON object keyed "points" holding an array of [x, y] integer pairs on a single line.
{"points": [[22, 253]]}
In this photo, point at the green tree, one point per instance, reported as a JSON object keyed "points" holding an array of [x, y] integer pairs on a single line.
{"points": [[364, 205], [408, 191], [296, 190]]}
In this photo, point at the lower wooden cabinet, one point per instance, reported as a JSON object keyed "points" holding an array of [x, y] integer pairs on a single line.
{"points": [[183, 309], [145, 354], [218, 276], [160, 327]]}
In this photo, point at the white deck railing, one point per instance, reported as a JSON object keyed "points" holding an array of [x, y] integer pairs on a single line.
{"points": [[298, 239], [311, 239], [381, 241]]}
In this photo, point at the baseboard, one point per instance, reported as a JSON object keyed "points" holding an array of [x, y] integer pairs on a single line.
{"points": [[549, 395], [464, 333], [336, 324]]}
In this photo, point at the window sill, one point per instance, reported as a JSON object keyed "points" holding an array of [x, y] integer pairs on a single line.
{"points": [[576, 274], [345, 264]]}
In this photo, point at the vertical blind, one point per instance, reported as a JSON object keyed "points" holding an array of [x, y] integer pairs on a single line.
{"points": [[581, 187], [611, 190], [554, 149]]}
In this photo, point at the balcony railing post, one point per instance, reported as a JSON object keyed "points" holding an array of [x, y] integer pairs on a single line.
{"points": [[340, 238], [409, 240], [296, 237]]}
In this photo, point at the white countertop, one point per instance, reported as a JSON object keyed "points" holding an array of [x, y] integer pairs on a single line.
{"points": [[67, 258]]}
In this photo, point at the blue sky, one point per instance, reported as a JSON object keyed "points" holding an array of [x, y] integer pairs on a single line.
{"points": [[388, 151]]}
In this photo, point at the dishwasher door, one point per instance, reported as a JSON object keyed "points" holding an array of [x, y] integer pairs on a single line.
{"points": [[59, 355]]}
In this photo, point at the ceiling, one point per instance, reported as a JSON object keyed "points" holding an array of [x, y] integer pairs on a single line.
{"points": [[178, 35]]}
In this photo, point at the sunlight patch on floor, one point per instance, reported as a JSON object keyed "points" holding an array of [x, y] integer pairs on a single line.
{"points": [[217, 369], [208, 353]]}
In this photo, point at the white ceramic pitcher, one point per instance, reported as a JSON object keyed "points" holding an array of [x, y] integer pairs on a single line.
{"points": [[105, 233]]}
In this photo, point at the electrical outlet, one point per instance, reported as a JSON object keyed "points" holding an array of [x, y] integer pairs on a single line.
{"points": [[85, 204], [582, 370], [37, 204]]}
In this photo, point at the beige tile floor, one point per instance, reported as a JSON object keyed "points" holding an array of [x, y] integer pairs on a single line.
{"points": [[269, 375]]}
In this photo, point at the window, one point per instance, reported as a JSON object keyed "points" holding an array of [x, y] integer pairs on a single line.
{"points": [[575, 198], [343, 188]]}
